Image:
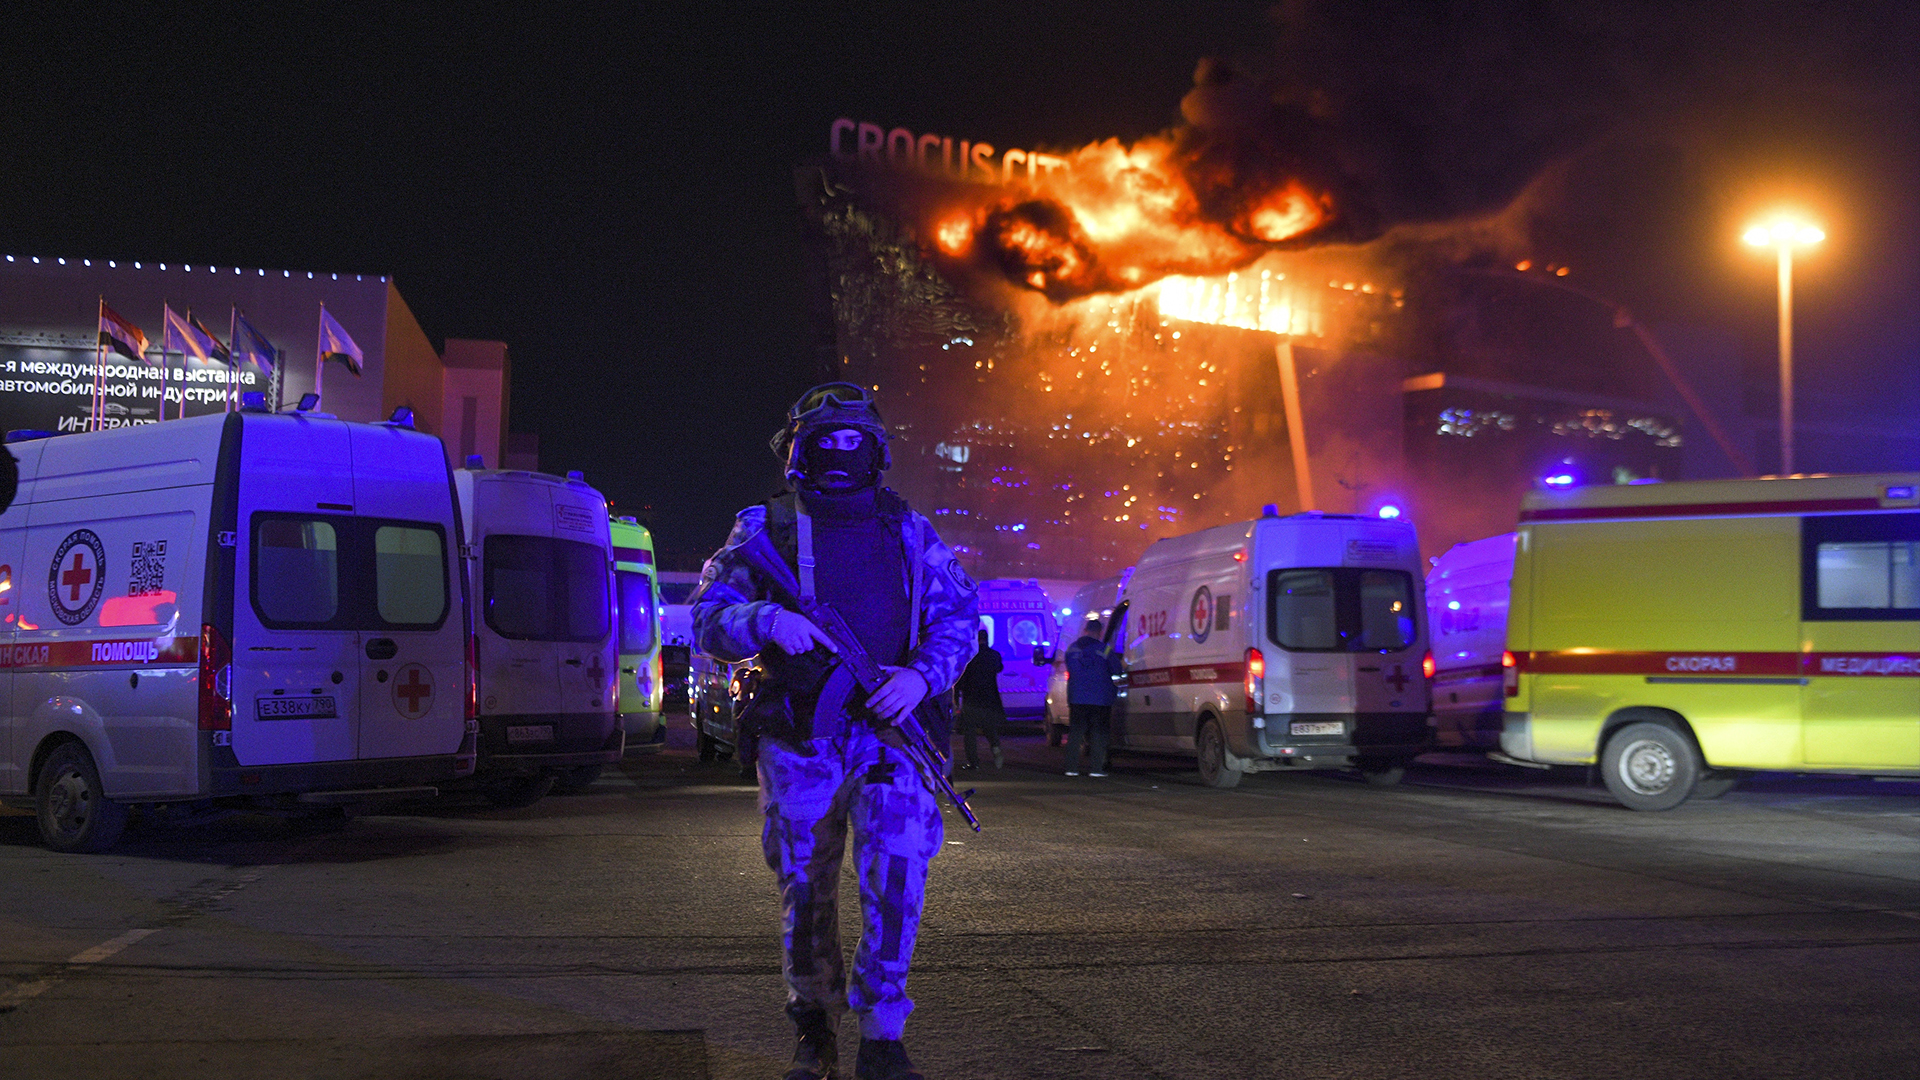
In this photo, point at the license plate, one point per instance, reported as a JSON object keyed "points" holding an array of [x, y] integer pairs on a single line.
{"points": [[304, 707], [1329, 728], [530, 733]]}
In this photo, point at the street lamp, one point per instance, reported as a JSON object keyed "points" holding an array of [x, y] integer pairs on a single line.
{"points": [[1783, 234]]}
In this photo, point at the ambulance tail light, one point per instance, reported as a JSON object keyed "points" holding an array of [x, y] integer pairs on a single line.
{"points": [[473, 676], [1256, 682], [1427, 666], [656, 690], [1510, 673], [216, 680]]}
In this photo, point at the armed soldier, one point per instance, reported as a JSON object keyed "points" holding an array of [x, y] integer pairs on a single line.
{"points": [[825, 761]]}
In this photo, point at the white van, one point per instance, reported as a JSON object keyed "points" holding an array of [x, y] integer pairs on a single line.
{"points": [[1275, 643], [1093, 598], [249, 607], [1017, 616], [1467, 617], [540, 570]]}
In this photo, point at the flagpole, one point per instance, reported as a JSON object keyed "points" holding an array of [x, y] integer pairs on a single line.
{"points": [[319, 356], [99, 361], [166, 324]]}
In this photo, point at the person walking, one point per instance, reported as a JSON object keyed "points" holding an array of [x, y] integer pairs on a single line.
{"points": [[981, 710], [827, 766], [1091, 667]]}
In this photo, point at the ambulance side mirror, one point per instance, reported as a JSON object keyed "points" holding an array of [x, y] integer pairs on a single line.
{"points": [[1042, 654]]}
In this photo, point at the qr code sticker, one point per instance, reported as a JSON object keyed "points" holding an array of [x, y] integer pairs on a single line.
{"points": [[149, 572]]}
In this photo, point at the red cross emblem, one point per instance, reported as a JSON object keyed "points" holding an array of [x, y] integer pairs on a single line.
{"points": [[595, 670], [77, 576], [413, 691], [1398, 679]]}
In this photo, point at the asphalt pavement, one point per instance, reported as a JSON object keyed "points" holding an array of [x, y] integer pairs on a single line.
{"points": [[1477, 921]]}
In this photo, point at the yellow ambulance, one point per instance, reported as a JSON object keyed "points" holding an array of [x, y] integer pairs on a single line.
{"points": [[637, 602], [1677, 633]]}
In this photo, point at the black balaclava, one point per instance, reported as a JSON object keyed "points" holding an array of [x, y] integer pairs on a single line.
{"points": [[835, 472]]}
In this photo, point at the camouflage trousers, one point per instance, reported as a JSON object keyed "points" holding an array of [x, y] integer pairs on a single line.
{"points": [[809, 801]]}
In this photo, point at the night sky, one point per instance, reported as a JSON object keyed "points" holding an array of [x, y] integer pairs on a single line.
{"points": [[609, 189]]}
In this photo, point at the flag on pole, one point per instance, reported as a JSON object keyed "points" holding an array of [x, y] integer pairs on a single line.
{"points": [[250, 345], [186, 335], [120, 335], [220, 352], [336, 345]]}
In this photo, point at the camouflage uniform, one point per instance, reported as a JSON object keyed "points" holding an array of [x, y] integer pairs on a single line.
{"points": [[812, 789]]}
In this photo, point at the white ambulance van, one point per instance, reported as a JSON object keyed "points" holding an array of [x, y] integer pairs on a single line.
{"points": [[1017, 617], [1467, 617], [1295, 642], [245, 608], [539, 562]]}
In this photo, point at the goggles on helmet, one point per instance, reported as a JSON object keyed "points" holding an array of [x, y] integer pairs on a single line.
{"points": [[830, 404]]}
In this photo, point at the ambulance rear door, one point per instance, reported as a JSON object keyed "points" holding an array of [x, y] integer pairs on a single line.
{"points": [[413, 633], [519, 664], [1860, 694], [296, 650]]}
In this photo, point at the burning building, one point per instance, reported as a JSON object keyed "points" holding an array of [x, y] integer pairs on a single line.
{"points": [[1083, 352]]}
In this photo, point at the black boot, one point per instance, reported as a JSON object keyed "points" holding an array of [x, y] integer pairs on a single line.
{"points": [[815, 1051], [883, 1059]]}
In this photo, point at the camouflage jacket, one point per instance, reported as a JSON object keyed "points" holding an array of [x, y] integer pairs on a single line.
{"points": [[732, 616]]}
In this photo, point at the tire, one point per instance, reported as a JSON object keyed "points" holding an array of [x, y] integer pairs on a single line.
{"points": [[1382, 772], [1650, 767], [709, 752], [577, 779], [517, 792], [1714, 785], [75, 815], [1216, 768]]}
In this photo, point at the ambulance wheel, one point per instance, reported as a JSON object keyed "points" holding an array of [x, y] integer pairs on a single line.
{"points": [[578, 779], [1217, 768], [1382, 772], [1650, 767], [709, 750], [517, 792], [75, 815]]}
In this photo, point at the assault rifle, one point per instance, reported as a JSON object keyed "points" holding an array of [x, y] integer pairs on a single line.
{"points": [[856, 667]]}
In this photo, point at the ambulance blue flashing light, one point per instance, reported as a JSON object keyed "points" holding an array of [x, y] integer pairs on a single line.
{"points": [[1389, 512], [475, 461], [577, 476], [1904, 491], [308, 403], [402, 417], [1559, 480]]}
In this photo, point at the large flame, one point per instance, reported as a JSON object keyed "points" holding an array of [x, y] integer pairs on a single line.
{"points": [[1121, 216]]}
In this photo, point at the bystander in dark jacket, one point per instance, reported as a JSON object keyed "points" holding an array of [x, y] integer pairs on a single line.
{"points": [[981, 710], [1091, 667]]}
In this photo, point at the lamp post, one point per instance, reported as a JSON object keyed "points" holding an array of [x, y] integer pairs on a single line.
{"points": [[1783, 234]]}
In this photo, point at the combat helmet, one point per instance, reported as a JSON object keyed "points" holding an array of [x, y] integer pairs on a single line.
{"points": [[828, 407]]}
